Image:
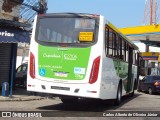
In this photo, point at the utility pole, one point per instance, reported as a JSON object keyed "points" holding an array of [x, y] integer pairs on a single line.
{"points": [[151, 17], [151, 12]]}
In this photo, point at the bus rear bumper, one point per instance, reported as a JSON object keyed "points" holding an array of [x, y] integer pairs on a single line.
{"points": [[85, 90]]}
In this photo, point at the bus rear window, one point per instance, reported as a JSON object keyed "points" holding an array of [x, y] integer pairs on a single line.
{"points": [[65, 30]]}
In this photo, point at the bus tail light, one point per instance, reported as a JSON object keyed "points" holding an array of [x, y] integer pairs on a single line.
{"points": [[94, 71], [32, 65]]}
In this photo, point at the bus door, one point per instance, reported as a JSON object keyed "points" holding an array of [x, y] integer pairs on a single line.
{"points": [[130, 62]]}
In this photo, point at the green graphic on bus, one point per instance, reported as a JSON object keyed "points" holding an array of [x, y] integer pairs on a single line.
{"points": [[62, 62]]}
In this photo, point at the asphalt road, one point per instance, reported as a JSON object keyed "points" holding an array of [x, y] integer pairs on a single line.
{"points": [[89, 108]]}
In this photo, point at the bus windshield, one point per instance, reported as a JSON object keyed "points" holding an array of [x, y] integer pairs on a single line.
{"points": [[66, 30]]}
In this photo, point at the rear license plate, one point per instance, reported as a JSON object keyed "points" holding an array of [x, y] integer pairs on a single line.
{"points": [[61, 74]]}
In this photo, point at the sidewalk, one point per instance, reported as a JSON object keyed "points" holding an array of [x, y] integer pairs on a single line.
{"points": [[21, 95]]}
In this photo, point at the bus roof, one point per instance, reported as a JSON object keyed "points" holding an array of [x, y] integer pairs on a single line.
{"points": [[69, 14]]}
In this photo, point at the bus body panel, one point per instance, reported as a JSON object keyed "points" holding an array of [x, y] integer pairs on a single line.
{"points": [[72, 84], [93, 56], [111, 71], [79, 90], [37, 83]]}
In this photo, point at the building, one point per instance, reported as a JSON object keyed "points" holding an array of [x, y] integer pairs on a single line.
{"points": [[16, 17]]}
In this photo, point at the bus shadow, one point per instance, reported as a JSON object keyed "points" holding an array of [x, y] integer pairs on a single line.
{"points": [[89, 105]]}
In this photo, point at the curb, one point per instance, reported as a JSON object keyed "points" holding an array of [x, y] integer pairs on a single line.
{"points": [[27, 98]]}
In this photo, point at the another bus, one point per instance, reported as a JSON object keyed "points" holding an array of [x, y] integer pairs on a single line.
{"points": [[77, 55]]}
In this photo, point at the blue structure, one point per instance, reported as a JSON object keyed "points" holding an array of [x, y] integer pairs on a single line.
{"points": [[9, 39], [5, 89]]}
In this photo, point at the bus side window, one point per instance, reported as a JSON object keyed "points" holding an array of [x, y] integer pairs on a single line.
{"points": [[120, 48], [124, 50], [117, 47], [109, 41], [114, 45], [127, 52], [106, 40]]}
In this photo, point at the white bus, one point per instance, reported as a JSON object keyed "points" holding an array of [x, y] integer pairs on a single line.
{"points": [[81, 56]]}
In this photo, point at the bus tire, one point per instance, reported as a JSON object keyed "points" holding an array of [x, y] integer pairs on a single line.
{"points": [[119, 95], [69, 100], [150, 91], [132, 93]]}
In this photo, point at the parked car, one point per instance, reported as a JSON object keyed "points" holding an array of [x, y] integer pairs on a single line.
{"points": [[150, 83], [21, 76]]}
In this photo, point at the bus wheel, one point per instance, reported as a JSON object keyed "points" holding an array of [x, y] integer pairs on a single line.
{"points": [[132, 94], [69, 100], [150, 91], [119, 95]]}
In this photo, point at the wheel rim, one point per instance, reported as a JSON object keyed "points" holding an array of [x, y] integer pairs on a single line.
{"points": [[150, 91]]}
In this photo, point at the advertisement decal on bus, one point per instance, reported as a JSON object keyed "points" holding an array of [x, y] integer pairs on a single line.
{"points": [[69, 64]]}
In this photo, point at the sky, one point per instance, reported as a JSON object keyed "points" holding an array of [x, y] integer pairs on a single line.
{"points": [[121, 13]]}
